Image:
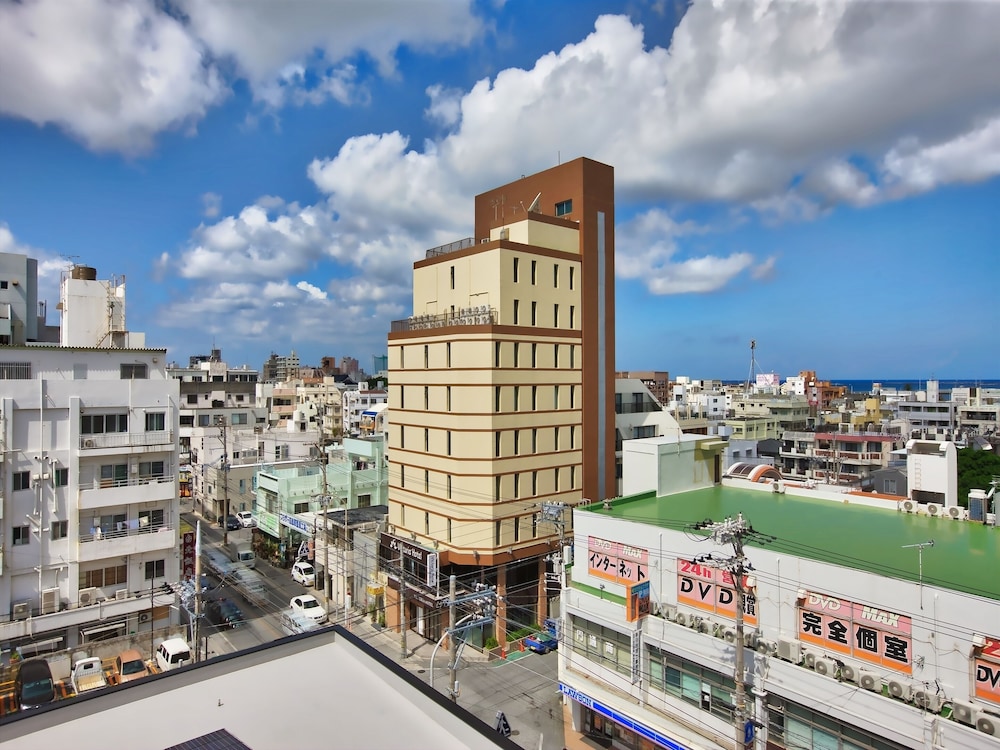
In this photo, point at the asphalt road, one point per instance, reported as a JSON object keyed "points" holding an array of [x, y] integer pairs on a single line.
{"points": [[524, 686]]}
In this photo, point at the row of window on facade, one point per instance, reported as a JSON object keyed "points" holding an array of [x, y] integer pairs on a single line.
{"points": [[115, 575], [515, 525], [499, 347], [22, 371], [500, 480], [498, 402], [210, 420], [789, 725], [498, 451], [533, 277], [98, 424]]}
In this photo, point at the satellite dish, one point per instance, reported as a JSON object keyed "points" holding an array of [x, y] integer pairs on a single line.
{"points": [[533, 208]]}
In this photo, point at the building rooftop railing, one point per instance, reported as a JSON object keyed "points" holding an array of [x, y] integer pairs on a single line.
{"points": [[451, 247], [475, 315]]}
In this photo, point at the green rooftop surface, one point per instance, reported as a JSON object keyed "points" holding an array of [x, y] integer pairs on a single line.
{"points": [[965, 556]]}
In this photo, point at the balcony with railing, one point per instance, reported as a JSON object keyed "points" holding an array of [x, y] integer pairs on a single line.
{"points": [[451, 247], [97, 492], [128, 537], [105, 440]]}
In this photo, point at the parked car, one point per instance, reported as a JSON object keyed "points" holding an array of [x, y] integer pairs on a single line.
{"points": [[246, 519], [308, 605], [223, 612], [33, 686], [130, 666], [233, 523], [172, 654], [541, 643], [304, 573]]}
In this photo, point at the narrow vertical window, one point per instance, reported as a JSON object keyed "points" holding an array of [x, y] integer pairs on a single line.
{"points": [[517, 528], [447, 397], [534, 269], [427, 482], [427, 440], [516, 263], [449, 522], [555, 356], [402, 358], [496, 489], [496, 444], [449, 447], [517, 306], [517, 442], [571, 270], [534, 483], [534, 398], [572, 357], [496, 354], [447, 352], [555, 397], [555, 276], [534, 440], [427, 397], [517, 485], [557, 480], [452, 277], [534, 313], [402, 397], [496, 399], [572, 477], [517, 354], [555, 316], [427, 356], [496, 533], [572, 397], [534, 355], [517, 398], [556, 432], [572, 436], [572, 316]]}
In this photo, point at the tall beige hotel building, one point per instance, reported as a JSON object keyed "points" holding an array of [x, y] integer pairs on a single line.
{"points": [[501, 396]]}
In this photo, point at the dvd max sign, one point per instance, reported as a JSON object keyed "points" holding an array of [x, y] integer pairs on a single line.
{"points": [[419, 562]]}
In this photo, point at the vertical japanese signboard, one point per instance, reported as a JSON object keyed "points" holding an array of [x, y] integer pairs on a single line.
{"points": [[986, 665], [868, 633], [187, 555], [713, 591], [617, 562]]}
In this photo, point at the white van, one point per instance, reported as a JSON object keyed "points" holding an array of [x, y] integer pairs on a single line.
{"points": [[293, 623], [172, 653]]}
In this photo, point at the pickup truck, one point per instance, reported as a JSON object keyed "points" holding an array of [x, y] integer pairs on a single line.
{"points": [[88, 674], [541, 643]]}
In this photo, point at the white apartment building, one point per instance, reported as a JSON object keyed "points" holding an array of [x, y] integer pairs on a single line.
{"points": [[356, 403], [88, 479], [638, 415], [857, 632]]}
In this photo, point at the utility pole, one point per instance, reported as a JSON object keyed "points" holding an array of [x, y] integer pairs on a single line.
{"points": [[733, 532], [197, 592], [402, 609], [225, 478], [452, 635]]}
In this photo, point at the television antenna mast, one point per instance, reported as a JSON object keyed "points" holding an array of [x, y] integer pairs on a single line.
{"points": [[920, 565]]}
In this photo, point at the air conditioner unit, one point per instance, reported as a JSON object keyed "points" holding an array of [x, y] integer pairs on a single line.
{"points": [[964, 712], [750, 639], [826, 667], [88, 596], [928, 701], [901, 690], [696, 621], [765, 646], [933, 509], [988, 724], [809, 658], [669, 611], [89, 443], [50, 601], [483, 320], [909, 506], [707, 626], [682, 619], [958, 513], [789, 650], [849, 672], [728, 634], [921, 509], [144, 617], [870, 681], [121, 594], [22, 610]]}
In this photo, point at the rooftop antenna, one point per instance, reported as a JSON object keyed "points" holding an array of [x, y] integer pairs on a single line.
{"points": [[920, 565], [753, 366], [533, 208]]}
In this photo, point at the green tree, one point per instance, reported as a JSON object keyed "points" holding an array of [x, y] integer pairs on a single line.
{"points": [[975, 471]]}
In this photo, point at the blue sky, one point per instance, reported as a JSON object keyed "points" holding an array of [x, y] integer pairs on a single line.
{"points": [[821, 178]]}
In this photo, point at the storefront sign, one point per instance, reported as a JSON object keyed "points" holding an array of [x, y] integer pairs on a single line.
{"points": [[986, 671], [419, 562], [294, 522], [619, 718], [187, 555], [863, 631], [617, 562], [713, 590]]}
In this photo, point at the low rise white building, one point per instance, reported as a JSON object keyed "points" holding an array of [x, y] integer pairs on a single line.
{"points": [[863, 626]]}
